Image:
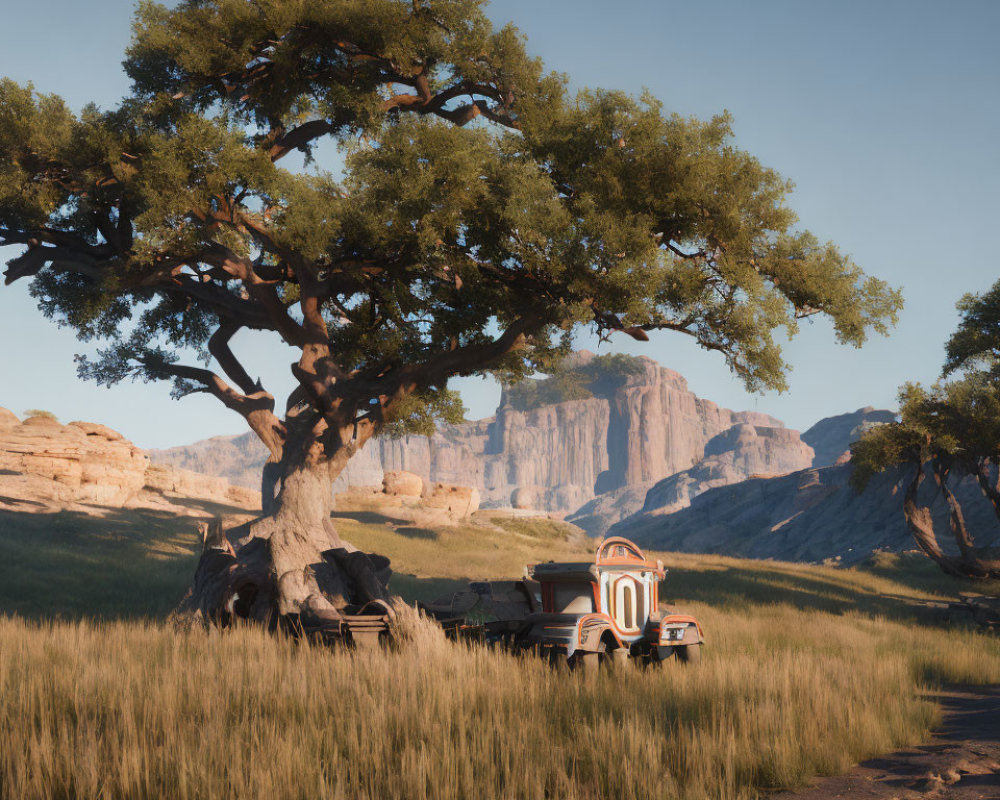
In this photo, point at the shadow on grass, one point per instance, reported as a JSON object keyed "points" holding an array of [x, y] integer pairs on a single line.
{"points": [[760, 585], [370, 518], [399, 525], [417, 533], [122, 564], [411, 588]]}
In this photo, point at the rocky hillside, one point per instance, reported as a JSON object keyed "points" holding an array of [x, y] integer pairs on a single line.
{"points": [[736, 454], [830, 438], [809, 515], [805, 515], [629, 423], [45, 466]]}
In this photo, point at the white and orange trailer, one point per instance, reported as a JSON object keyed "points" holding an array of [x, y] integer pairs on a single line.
{"points": [[608, 609]]}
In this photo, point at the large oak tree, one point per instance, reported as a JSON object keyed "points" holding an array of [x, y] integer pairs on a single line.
{"points": [[485, 213]]}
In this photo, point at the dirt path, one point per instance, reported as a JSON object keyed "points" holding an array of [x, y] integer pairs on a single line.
{"points": [[961, 762]]}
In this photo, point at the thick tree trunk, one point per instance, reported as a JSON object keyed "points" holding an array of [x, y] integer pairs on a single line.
{"points": [[289, 565], [270, 484], [970, 563], [921, 525]]}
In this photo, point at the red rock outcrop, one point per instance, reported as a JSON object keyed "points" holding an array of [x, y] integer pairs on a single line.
{"points": [[47, 466]]}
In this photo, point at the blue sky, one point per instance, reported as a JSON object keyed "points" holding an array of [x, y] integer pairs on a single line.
{"points": [[886, 115]]}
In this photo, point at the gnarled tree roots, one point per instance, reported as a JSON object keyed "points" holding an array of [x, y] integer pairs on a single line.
{"points": [[284, 571]]}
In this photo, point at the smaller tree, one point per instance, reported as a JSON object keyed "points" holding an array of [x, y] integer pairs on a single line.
{"points": [[953, 428]]}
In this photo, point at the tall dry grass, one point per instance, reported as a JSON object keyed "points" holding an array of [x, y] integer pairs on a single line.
{"points": [[807, 669], [126, 710]]}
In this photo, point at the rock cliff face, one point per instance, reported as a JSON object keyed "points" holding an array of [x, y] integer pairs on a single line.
{"points": [[46, 466], [733, 456], [831, 438], [638, 426]]}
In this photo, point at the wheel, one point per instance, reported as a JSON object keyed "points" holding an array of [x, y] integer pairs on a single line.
{"points": [[688, 653]]}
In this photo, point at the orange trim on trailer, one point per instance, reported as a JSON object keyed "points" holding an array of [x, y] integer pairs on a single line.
{"points": [[632, 556], [675, 618], [604, 618]]}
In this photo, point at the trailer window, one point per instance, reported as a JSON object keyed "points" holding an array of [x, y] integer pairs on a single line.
{"points": [[573, 598]]}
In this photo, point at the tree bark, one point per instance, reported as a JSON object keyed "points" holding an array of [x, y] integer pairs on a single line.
{"points": [[990, 490], [971, 563], [290, 566], [921, 524]]}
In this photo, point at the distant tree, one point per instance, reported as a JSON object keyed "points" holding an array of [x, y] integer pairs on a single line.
{"points": [[40, 412], [485, 215], [953, 428]]}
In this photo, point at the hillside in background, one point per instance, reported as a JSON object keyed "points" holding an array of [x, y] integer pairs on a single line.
{"points": [[812, 515], [607, 426]]}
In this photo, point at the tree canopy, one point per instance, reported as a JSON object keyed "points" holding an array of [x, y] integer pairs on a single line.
{"points": [[484, 214]]}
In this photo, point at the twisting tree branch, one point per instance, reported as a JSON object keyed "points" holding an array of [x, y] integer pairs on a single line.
{"points": [[218, 346], [257, 408]]}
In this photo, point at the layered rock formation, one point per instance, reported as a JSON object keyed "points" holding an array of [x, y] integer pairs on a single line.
{"points": [[736, 454], [807, 515], [639, 426], [46, 466]]}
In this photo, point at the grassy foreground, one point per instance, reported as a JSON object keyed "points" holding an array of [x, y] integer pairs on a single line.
{"points": [[807, 670]]}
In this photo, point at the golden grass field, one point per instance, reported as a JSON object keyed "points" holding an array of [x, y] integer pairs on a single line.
{"points": [[806, 671]]}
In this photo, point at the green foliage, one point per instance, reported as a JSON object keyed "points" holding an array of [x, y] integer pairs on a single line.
{"points": [[419, 414], [976, 343], [599, 376], [954, 421], [559, 388], [882, 447], [485, 215]]}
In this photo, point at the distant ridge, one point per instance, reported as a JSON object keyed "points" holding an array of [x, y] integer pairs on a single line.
{"points": [[629, 423]]}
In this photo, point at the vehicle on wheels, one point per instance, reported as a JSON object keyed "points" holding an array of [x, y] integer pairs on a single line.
{"points": [[581, 612]]}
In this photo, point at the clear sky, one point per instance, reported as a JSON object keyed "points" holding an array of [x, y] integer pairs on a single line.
{"points": [[885, 114]]}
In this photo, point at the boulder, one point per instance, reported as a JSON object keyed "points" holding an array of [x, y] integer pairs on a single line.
{"points": [[75, 463], [524, 497], [8, 419], [400, 482], [458, 501]]}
